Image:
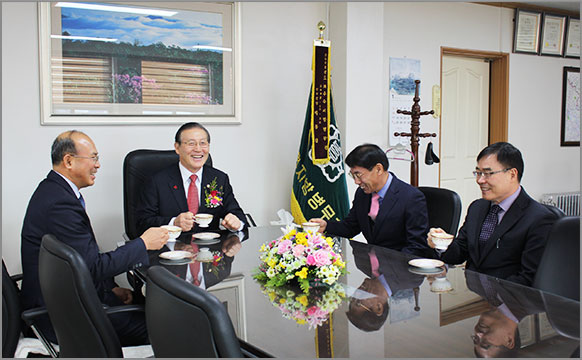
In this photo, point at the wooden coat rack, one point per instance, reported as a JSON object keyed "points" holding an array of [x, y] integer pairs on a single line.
{"points": [[414, 134]]}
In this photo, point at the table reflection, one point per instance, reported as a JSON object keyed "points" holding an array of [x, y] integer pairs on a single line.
{"points": [[383, 307]]}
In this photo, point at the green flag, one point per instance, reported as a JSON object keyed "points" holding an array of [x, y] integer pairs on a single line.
{"points": [[319, 182]]}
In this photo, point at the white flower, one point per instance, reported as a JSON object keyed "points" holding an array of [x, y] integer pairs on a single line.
{"points": [[271, 272]]}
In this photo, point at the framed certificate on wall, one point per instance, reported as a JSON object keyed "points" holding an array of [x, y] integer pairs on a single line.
{"points": [[553, 33], [572, 45], [526, 32]]}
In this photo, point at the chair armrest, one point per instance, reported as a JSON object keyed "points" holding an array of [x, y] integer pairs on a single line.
{"points": [[31, 314], [123, 308], [16, 277]]}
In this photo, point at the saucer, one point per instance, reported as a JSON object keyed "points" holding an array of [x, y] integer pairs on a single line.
{"points": [[421, 271], [206, 235], [176, 255], [441, 247], [206, 242], [426, 263]]}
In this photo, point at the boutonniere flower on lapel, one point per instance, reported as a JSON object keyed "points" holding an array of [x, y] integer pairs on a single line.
{"points": [[212, 195]]}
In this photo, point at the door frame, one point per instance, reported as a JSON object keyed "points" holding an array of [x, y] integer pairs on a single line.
{"points": [[498, 91]]}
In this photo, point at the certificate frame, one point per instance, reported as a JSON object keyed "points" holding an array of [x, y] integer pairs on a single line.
{"points": [[570, 127], [207, 90], [572, 40], [553, 35], [526, 32]]}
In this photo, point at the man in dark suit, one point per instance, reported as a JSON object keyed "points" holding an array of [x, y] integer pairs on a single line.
{"points": [[387, 277], [388, 211], [57, 208], [505, 232], [175, 194]]}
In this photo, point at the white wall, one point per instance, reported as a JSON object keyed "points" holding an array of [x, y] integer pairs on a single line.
{"points": [[260, 153]]}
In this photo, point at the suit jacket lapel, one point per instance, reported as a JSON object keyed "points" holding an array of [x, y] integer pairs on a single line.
{"points": [[514, 213], [176, 186], [207, 177], [390, 199]]}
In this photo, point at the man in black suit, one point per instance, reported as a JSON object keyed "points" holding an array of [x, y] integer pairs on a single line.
{"points": [[505, 232], [57, 208], [387, 276], [175, 194], [388, 211]]}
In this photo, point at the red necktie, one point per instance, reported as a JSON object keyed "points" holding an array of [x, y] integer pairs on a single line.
{"points": [[195, 265], [374, 263], [193, 195], [374, 206]]}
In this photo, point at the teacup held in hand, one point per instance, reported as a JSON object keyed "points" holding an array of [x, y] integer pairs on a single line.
{"points": [[173, 231], [310, 226], [441, 240], [203, 219]]}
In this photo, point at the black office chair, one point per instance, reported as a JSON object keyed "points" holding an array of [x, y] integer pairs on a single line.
{"points": [[186, 321], [444, 208], [563, 315], [555, 210], [559, 268], [79, 319], [12, 324]]}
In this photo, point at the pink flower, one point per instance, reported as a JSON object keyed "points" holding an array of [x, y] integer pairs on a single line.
{"points": [[321, 258], [298, 250], [310, 260], [284, 246], [214, 201]]}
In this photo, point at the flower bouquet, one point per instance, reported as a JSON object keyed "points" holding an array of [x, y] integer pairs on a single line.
{"points": [[313, 309], [303, 258]]}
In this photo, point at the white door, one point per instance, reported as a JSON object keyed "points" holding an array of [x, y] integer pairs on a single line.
{"points": [[464, 124]]}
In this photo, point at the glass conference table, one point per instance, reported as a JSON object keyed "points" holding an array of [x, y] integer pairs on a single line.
{"points": [[396, 310]]}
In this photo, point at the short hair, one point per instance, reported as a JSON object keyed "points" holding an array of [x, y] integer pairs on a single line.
{"points": [[367, 156], [369, 321], [505, 352], [507, 155], [63, 145], [188, 126]]}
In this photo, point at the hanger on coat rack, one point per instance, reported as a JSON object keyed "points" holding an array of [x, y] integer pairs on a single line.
{"points": [[400, 152]]}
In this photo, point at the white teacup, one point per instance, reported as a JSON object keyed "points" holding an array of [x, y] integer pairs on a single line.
{"points": [[441, 284], [310, 226], [204, 254], [173, 231], [203, 219], [441, 240]]}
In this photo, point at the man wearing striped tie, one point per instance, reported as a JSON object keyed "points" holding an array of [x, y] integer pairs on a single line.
{"points": [[504, 233], [386, 210]]}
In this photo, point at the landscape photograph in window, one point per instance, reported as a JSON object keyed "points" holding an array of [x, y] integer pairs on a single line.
{"points": [[138, 59]]}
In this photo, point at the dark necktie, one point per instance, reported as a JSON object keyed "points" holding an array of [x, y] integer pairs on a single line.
{"points": [[82, 200], [488, 226], [193, 195]]}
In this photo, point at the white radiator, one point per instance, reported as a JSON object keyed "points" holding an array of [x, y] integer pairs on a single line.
{"points": [[567, 202]]}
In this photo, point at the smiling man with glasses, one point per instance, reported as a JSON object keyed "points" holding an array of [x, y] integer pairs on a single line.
{"points": [[174, 195], [386, 210], [504, 233]]}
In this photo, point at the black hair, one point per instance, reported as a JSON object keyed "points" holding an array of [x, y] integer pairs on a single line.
{"points": [[63, 145], [188, 126], [368, 321], [507, 155], [367, 156]]}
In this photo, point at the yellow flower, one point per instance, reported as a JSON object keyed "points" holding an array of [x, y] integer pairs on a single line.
{"points": [[300, 321], [329, 241], [301, 239], [282, 301], [263, 248], [303, 273], [303, 300], [272, 295], [340, 263], [272, 263]]}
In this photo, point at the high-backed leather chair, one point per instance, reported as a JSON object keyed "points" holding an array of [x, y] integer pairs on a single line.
{"points": [[184, 320], [555, 210], [79, 319], [12, 325], [444, 208], [559, 268]]}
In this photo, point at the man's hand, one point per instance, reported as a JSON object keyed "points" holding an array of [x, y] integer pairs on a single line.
{"points": [[231, 222], [123, 294], [429, 236], [155, 237], [185, 221], [231, 245], [322, 224]]}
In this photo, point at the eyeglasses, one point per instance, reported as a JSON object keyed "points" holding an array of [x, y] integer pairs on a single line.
{"points": [[94, 158], [203, 143], [487, 174], [477, 341], [355, 176]]}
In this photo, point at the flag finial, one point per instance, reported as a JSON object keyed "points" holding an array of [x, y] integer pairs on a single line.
{"points": [[321, 27]]}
